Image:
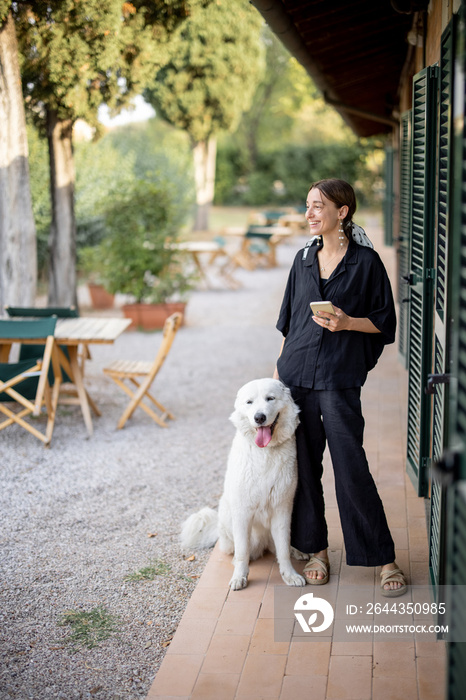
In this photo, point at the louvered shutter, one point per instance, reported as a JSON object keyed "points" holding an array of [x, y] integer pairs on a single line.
{"points": [[456, 492], [421, 275], [389, 194], [405, 234], [441, 359]]}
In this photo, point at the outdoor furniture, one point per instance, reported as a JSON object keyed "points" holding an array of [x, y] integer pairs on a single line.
{"points": [[68, 395], [32, 351], [141, 375], [72, 333], [215, 249], [260, 244], [26, 383], [294, 221], [272, 216], [42, 311]]}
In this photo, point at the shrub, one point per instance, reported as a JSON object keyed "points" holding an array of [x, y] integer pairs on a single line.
{"points": [[137, 255]]}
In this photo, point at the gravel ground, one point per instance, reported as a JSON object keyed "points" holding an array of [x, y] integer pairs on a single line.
{"points": [[78, 518]]}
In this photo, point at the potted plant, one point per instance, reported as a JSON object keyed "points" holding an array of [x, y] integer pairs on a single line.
{"points": [[139, 256], [91, 264]]}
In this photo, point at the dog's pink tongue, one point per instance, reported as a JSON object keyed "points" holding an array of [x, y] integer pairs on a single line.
{"points": [[263, 436]]}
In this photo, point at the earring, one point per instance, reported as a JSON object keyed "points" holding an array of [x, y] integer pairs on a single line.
{"points": [[341, 234]]}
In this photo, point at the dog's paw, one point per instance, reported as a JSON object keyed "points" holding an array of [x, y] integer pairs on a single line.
{"points": [[294, 579], [236, 584], [299, 556]]}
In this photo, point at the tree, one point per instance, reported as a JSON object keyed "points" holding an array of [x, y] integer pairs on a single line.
{"points": [[17, 230], [215, 62], [287, 107], [77, 55]]}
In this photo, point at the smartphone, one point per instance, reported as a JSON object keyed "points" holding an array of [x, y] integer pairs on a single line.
{"points": [[326, 306]]}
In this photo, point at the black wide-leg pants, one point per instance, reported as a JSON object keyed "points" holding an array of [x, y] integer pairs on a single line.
{"points": [[335, 417]]}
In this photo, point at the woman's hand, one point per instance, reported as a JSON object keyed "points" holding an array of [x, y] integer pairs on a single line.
{"points": [[342, 322], [333, 322]]}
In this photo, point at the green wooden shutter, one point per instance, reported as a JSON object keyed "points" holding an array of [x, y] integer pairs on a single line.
{"points": [[456, 492], [388, 199], [456, 597], [421, 275], [405, 233], [441, 360]]}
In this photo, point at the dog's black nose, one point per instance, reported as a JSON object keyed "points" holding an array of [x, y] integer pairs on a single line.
{"points": [[260, 418]]}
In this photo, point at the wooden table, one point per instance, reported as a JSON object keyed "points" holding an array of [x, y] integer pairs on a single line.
{"points": [[73, 332], [297, 221], [214, 250]]}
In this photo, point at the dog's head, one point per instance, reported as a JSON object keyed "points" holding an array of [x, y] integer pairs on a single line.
{"points": [[265, 412]]}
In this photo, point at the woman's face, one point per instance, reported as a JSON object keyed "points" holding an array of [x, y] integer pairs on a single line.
{"points": [[322, 215]]}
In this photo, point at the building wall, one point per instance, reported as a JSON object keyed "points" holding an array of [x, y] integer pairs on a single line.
{"points": [[439, 14]]}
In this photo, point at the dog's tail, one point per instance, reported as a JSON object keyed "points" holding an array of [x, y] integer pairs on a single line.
{"points": [[200, 530]]}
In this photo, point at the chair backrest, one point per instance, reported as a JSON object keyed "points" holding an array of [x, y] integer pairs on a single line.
{"points": [[170, 328], [29, 311], [27, 330], [263, 232], [31, 352]]}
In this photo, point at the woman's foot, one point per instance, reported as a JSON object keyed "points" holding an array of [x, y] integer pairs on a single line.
{"points": [[393, 581], [317, 569]]}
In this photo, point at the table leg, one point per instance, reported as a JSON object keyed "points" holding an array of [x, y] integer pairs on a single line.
{"points": [[5, 351], [273, 253], [78, 381], [199, 266]]}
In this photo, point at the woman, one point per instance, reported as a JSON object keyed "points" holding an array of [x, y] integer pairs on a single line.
{"points": [[324, 360]]}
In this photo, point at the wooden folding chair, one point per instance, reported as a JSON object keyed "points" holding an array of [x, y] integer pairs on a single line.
{"points": [[68, 395], [142, 374], [26, 383]]}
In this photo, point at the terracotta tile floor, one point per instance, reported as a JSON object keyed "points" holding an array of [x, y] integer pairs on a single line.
{"points": [[224, 646]]}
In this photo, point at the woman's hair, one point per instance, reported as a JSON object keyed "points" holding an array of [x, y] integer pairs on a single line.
{"points": [[340, 193]]}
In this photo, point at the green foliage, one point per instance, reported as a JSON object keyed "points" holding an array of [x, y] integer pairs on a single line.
{"points": [[215, 60], [39, 183], [4, 9], [77, 55], [293, 165], [101, 174], [297, 166], [88, 628], [137, 256], [105, 170], [148, 573], [289, 136], [158, 151]]}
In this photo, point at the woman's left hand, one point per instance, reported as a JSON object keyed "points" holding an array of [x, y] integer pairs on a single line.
{"points": [[333, 322]]}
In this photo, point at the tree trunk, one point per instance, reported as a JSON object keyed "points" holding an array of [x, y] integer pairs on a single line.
{"points": [[18, 248], [205, 153], [62, 242]]}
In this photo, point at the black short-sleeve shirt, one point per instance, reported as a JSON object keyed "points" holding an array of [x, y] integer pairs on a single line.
{"points": [[316, 358]]}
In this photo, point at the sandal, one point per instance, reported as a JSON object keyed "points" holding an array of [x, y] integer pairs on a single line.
{"points": [[395, 576], [321, 566]]}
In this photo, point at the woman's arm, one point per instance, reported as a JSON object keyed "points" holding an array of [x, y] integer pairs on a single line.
{"points": [[275, 372], [341, 322]]}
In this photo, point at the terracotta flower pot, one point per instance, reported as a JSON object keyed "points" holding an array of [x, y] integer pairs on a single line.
{"points": [[100, 298], [151, 317]]}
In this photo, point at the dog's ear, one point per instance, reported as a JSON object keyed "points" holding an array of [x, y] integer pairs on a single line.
{"points": [[291, 407], [236, 418]]}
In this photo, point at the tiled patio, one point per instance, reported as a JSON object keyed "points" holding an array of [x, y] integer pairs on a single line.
{"points": [[224, 647]]}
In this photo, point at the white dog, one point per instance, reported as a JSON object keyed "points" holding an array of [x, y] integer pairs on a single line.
{"points": [[255, 509]]}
